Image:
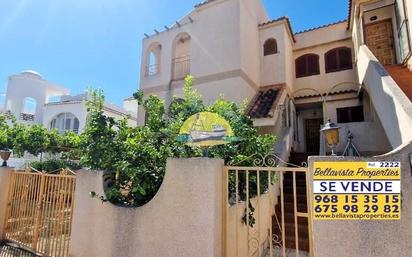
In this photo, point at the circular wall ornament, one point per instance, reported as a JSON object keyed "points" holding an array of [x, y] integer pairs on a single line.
{"points": [[205, 129]]}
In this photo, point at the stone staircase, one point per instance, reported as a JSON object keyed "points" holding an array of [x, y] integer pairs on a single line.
{"points": [[297, 159], [402, 77]]}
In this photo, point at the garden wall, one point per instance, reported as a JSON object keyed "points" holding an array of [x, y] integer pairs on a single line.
{"points": [[368, 238], [184, 219], [236, 246], [5, 175]]}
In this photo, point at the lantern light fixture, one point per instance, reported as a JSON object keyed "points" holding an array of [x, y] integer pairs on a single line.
{"points": [[331, 132]]}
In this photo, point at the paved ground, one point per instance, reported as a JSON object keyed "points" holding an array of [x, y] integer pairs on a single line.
{"points": [[10, 251]]}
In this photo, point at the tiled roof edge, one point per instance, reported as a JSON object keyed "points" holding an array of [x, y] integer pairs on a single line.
{"points": [[203, 3], [280, 19], [349, 13], [321, 27]]}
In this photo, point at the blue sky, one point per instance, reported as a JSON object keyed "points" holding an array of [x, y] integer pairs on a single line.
{"points": [[82, 43]]}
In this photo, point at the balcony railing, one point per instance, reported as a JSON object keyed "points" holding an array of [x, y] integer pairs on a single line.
{"points": [[26, 117], [181, 67], [152, 70]]}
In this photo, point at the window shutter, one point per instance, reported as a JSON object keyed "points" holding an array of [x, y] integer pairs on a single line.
{"points": [[300, 67], [338, 59], [270, 47], [307, 65], [331, 61], [313, 64], [350, 114], [345, 58]]}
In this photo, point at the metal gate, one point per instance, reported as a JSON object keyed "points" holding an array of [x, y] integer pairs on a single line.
{"points": [[39, 211], [266, 212]]}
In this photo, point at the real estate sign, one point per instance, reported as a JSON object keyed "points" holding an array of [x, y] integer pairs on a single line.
{"points": [[357, 191]]}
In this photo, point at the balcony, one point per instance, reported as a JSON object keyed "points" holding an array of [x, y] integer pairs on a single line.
{"points": [[151, 70], [27, 117], [181, 67]]}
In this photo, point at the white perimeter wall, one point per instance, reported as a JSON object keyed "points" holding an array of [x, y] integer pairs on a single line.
{"points": [[184, 219]]}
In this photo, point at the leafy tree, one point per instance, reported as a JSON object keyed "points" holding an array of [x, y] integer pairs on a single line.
{"points": [[6, 141], [137, 156], [36, 139], [55, 165]]}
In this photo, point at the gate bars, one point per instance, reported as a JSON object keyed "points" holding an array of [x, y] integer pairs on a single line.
{"points": [[39, 211], [249, 195]]}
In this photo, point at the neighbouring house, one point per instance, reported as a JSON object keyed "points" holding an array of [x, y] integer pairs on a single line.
{"points": [[354, 72], [34, 100]]}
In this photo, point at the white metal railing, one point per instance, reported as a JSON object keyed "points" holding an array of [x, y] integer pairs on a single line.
{"points": [[252, 225], [27, 116], [181, 67], [152, 70]]}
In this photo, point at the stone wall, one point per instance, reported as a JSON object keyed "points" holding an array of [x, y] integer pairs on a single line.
{"points": [[368, 238]]}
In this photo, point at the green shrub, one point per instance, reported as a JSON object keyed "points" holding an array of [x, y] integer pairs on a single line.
{"points": [[137, 156], [55, 165]]}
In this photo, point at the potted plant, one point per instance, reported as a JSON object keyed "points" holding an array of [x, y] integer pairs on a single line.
{"points": [[5, 143]]}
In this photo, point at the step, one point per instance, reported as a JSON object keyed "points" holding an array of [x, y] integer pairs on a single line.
{"points": [[289, 189], [299, 175], [303, 229], [303, 243], [290, 243], [299, 182], [289, 207], [288, 198]]}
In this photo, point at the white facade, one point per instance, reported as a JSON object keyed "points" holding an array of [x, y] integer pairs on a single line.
{"points": [[222, 43], [34, 100]]}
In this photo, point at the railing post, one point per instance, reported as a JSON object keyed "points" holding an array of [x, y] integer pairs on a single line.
{"points": [[225, 203], [37, 222]]}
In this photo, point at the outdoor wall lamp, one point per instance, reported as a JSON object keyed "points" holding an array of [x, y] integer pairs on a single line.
{"points": [[331, 132]]}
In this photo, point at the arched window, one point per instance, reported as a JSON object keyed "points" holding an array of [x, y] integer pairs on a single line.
{"points": [[29, 109], [76, 125], [181, 56], [29, 105], [338, 59], [307, 65], [270, 47], [65, 122], [153, 59]]}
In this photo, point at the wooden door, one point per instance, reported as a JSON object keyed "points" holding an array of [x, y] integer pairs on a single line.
{"points": [[379, 39], [312, 128]]}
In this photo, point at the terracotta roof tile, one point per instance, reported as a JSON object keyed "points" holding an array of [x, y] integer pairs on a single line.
{"points": [[321, 27], [263, 102], [349, 13], [203, 3], [344, 91], [279, 19]]}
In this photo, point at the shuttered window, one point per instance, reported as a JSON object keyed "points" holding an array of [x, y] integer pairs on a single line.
{"points": [[270, 47], [338, 59], [350, 114], [307, 65]]}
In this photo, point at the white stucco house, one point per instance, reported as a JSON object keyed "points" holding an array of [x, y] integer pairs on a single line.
{"points": [[355, 73], [351, 72], [34, 100]]}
